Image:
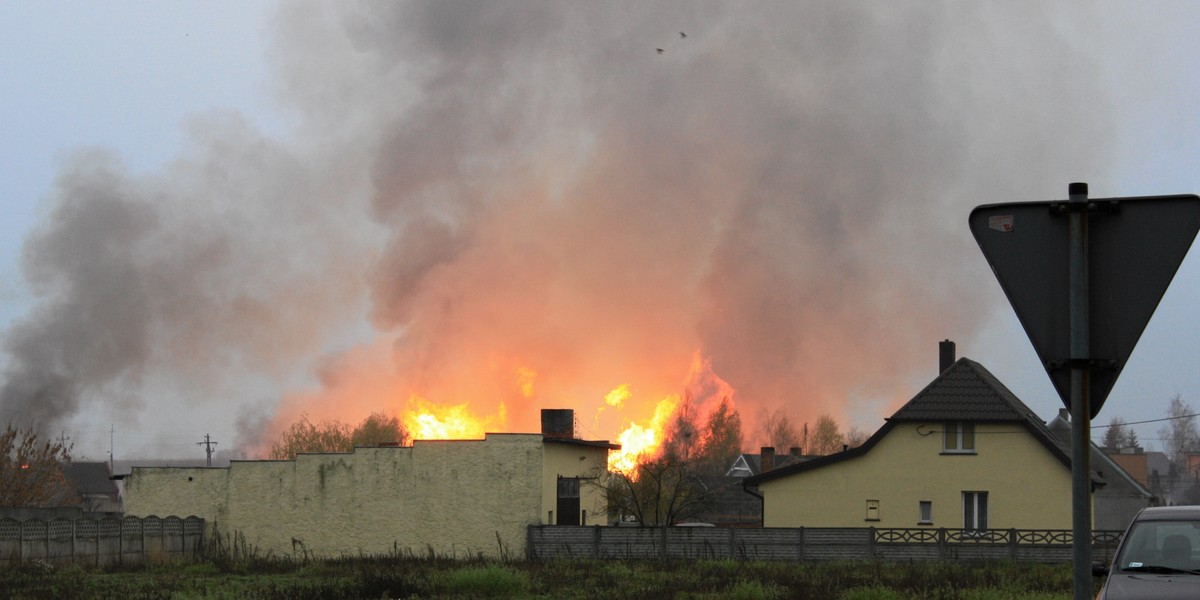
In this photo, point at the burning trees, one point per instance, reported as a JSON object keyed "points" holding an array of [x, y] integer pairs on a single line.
{"points": [[661, 491], [669, 487]]}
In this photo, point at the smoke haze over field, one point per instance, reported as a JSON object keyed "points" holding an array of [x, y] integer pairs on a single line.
{"points": [[515, 206]]}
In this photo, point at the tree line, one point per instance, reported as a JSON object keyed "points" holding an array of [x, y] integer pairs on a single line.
{"points": [[1179, 437], [664, 487]]}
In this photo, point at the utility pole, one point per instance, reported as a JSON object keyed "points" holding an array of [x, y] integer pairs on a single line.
{"points": [[111, 458], [208, 448]]}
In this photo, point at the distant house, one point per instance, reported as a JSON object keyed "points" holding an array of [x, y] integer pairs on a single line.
{"points": [[1122, 495], [1150, 469], [748, 465], [451, 497], [964, 452], [730, 505], [93, 486]]}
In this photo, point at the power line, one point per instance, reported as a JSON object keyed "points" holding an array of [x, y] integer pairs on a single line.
{"points": [[1122, 424]]}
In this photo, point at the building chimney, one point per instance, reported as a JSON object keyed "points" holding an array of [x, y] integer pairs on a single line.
{"points": [[945, 355], [766, 458], [558, 422]]}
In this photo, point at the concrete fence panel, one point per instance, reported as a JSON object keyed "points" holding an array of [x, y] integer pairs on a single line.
{"points": [[811, 544], [101, 542]]}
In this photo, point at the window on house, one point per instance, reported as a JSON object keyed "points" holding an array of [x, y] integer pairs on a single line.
{"points": [[975, 509], [872, 510], [958, 437], [925, 512]]}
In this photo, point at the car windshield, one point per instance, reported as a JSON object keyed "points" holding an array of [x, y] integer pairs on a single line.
{"points": [[1161, 547]]}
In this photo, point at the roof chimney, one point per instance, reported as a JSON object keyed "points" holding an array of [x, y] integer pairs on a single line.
{"points": [[945, 355], [766, 458], [558, 422]]}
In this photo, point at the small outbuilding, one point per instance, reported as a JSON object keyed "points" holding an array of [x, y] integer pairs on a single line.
{"points": [[453, 497]]}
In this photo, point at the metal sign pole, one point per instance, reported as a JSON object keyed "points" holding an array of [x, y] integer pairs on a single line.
{"points": [[1081, 505]]}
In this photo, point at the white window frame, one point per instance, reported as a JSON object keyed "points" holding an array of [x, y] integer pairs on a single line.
{"points": [[958, 437], [975, 511], [925, 512], [872, 510]]}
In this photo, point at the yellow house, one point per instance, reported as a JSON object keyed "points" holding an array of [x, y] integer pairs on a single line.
{"points": [[963, 453], [455, 497]]}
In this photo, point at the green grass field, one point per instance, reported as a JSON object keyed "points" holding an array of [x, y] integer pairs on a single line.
{"points": [[412, 577]]}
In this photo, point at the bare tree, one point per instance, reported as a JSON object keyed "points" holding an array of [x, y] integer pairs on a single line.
{"points": [[722, 439], [779, 432], [377, 429], [1180, 435], [335, 436], [31, 470], [661, 491], [826, 438], [855, 437], [682, 435], [1119, 435]]}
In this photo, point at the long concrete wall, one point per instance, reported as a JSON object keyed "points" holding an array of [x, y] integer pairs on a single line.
{"points": [[812, 544], [456, 498], [101, 542]]}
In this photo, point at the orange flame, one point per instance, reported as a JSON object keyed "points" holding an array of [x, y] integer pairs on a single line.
{"points": [[639, 441], [525, 379], [618, 396], [428, 421]]}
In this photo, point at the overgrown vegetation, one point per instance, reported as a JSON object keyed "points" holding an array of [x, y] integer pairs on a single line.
{"points": [[335, 436], [402, 575], [31, 469]]}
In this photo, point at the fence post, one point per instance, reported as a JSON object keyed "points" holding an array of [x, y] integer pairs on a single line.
{"points": [[596, 541], [871, 543], [941, 543], [800, 535], [663, 549], [1012, 544]]}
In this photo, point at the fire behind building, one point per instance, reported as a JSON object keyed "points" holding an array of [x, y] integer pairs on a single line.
{"points": [[454, 497]]}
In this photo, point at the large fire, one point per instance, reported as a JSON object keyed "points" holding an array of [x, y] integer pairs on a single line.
{"points": [[634, 414], [639, 441], [428, 421]]}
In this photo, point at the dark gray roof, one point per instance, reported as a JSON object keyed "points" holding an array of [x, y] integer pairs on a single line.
{"points": [[754, 461], [965, 392], [90, 478]]}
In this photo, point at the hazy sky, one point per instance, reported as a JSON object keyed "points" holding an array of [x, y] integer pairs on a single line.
{"points": [[217, 215]]}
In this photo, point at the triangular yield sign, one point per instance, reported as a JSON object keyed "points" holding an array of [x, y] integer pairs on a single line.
{"points": [[1135, 246]]}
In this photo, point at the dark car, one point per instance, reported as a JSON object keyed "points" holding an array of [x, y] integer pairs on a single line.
{"points": [[1159, 556]]}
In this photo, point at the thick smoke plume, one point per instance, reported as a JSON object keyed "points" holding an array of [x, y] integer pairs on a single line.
{"points": [[515, 205]]}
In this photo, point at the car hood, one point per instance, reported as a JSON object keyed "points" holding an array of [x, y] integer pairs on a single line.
{"points": [[1131, 586]]}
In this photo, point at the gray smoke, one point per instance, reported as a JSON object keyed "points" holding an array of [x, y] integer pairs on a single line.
{"points": [[508, 185]]}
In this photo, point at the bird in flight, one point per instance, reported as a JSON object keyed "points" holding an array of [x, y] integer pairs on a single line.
{"points": [[660, 50], [682, 35]]}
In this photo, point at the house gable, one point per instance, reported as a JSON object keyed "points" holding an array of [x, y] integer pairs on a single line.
{"points": [[965, 392], [742, 467], [884, 481]]}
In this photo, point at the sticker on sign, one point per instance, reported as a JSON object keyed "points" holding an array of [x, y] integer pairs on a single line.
{"points": [[1001, 223]]}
